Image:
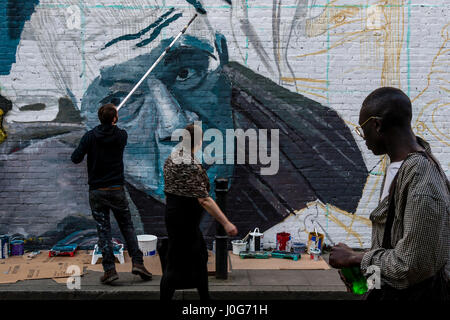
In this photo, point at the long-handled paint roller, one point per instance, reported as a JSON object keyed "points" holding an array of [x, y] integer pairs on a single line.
{"points": [[199, 10]]}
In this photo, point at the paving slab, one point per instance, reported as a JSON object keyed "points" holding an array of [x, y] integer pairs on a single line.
{"points": [[277, 277]]}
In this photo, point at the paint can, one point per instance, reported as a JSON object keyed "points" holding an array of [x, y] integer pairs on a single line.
{"points": [[299, 247], [314, 254], [284, 241], [147, 244], [238, 246], [315, 240], [4, 247], [255, 240], [17, 247]]}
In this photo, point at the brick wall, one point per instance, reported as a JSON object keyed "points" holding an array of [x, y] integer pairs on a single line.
{"points": [[302, 67]]}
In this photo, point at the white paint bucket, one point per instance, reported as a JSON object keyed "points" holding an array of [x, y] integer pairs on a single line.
{"points": [[147, 244], [238, 246], [315, 254]]}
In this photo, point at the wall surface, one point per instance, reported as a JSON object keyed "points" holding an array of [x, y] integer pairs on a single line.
{"points": [[300, 66]]}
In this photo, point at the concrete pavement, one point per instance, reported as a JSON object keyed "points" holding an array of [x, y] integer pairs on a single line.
{"points": [[240, 285]]}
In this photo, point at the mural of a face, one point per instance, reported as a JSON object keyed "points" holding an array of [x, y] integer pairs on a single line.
{"points": [[289, 69], [186, 86]]}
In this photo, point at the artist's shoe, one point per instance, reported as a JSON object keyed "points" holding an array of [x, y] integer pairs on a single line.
{"points": [[109, 276], [139, 269]]}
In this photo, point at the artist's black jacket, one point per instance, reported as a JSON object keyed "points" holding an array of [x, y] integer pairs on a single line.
{"points": [[104, 147]]}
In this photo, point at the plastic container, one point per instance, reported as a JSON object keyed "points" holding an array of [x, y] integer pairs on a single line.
{"points": [[314, 254], [147, 244], [299, 247], [238, 246]]}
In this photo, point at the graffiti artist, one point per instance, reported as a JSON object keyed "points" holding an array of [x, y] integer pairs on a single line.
{"points": [[104, 147]]}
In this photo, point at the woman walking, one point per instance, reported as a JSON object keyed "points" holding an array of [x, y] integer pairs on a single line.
{"points": [[186, 186]]}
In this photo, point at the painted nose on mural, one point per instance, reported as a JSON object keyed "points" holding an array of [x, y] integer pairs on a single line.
{"points": [[169, 113]]}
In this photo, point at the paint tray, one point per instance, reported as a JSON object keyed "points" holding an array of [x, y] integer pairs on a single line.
{"points": [[63, 250], [285, 255], [254, 255]]}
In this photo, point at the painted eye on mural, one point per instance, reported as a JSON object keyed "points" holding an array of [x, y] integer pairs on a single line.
{"points": [[188, 78], [185, 67], [185, 74]]}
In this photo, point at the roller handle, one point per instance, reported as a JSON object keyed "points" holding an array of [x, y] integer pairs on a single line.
{"points": [[156, 63]]}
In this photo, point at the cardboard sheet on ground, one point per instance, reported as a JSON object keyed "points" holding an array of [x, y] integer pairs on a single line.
{"points": [[42, 266], [304, 263]]}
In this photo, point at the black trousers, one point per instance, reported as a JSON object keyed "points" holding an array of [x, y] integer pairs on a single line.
{"points": [[101, 202], [184, 255]]}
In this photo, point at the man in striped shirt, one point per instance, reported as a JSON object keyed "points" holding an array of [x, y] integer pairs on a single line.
{"points": [[411, 225]]}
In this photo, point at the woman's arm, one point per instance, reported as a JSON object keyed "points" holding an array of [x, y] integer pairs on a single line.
{"points": [[213, 209]]}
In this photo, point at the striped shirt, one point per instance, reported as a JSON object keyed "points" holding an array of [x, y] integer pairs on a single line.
{"points": [[421, 228]]}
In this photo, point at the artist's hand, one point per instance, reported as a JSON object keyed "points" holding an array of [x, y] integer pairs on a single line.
{"points": [[343, 256], [230, 229]]}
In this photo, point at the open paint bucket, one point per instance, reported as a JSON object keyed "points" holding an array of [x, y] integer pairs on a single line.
{"points": [[147, 244], [238, 246], [284, 241], [299, 247], [314, 254]]}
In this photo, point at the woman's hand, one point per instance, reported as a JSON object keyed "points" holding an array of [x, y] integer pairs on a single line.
{"points": [[213, 209], [230, 229]]}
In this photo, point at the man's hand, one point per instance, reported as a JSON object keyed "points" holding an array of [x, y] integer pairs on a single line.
{"points": [[231, 229], [342, 256]]}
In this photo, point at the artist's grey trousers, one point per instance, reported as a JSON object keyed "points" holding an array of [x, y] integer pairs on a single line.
{"points": [[101, 202]]}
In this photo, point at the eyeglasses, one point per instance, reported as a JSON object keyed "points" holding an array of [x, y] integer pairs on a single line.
{"points": [[359, 130]]}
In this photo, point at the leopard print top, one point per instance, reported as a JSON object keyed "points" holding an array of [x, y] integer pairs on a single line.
{"points": [[184, 176]]}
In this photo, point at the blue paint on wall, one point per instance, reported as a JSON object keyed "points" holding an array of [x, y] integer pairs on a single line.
{"points": [[140, 33], [158, 29], [13, 14], [197, 5]]}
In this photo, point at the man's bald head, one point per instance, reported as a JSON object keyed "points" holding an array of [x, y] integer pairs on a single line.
{"points": [[392, 105]]}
